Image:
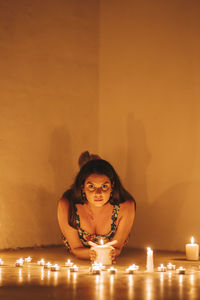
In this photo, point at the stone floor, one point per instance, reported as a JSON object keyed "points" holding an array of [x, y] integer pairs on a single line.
{"points": [[32, 281]]}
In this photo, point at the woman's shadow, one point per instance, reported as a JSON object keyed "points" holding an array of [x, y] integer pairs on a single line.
{"points": [[155, 222]]}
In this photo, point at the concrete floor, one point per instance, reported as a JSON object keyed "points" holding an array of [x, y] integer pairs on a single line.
{"points": [[32, 281]]}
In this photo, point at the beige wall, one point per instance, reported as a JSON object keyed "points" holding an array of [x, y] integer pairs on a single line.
{"points": [[150, 113], [48, 110]]}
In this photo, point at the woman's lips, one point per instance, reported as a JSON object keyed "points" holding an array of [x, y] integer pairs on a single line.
{"points": [[98, 200]]}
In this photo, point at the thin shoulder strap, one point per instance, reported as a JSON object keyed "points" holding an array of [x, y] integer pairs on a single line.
{"points": [[115, 214], [77, 218]]}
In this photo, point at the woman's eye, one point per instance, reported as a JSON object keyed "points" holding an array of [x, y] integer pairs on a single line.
{"points": [[104, 186], [91, 186]]}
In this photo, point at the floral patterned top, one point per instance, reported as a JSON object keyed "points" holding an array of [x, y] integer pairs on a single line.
{"points": [[85, 237]]}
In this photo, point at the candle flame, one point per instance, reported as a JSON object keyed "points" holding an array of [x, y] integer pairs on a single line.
{"points": [[192, 240], [101, 241]]}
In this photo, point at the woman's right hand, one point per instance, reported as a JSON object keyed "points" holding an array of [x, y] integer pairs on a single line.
{"points": [[93, 254]]}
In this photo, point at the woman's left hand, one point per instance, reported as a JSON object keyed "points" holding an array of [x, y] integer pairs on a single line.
{"points": [[113, 255]]}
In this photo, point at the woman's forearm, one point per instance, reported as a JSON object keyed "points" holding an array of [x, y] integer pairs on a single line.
{"points": [[81, 252]]}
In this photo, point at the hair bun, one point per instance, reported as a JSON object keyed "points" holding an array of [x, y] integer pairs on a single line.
{"points": [[85, 157]]}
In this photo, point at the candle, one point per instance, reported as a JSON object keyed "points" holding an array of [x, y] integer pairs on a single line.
{"points": [[19, 262], [171, 267], [181, 270], [55, 267], [1, 262], [150, 266], [99, 265], [73, 268], [103, 252], [112, 270], [47, 265], [132, 269], [41, 262], [95, 270], [28, 259], [68, 263], [162, 268], [192, 250]]}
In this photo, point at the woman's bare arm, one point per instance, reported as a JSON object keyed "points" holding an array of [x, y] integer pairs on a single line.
{"points": [[69, 232], [125, 225]]}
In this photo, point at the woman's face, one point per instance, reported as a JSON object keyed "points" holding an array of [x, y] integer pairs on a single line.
{"points": [[97, 189]]}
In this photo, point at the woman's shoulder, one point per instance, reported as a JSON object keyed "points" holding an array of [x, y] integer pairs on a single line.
{"points": [[64, 203], [127, 207]]}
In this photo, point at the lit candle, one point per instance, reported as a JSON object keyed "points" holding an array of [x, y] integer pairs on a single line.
{"points": [[73, 268], [162, 268], [103, 252], [28, 259], [95, 270], [55, 267], [192, 250], [112, 270], [132, 269], [68, 263], [99, 265], [47, 265], [41, 262], [150, 266], [19, 262], [1, 262], [181, 270], [171, 267]]}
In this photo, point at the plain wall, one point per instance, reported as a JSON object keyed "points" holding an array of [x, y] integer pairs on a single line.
{"points": [[150, 113], [48, 111]]}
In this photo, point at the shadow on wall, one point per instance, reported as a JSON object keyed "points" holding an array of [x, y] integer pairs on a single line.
{"points": [[154, 219], [60, 159]]}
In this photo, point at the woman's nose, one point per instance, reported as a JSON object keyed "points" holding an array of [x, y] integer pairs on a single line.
{"points": [[98, 190]]}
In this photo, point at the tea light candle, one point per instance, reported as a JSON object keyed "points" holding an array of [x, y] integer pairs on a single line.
{"points": [[99, 265], [55, 267], [41, 262], [171, 267], [47, 265], [1, 262], [192, 250], [132, 269], [28, 259], [162, 268], [68, 263], [150, 266], [112, 270], [19, 262], [73, 268], [181, 270], [95, 270]]}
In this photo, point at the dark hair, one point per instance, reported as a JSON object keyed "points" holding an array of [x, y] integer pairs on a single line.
{"points": [[101, 167]]}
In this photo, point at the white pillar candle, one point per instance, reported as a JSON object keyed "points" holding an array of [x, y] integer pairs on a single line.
{"points": [[103, 253], [192, 250], [150, 266]]}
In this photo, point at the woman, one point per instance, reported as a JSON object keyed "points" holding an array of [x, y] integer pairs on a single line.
{"points": [[96, 206]]}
